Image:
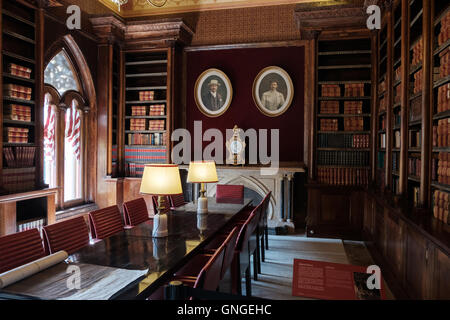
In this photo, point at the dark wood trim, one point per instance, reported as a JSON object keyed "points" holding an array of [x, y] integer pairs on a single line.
{"points": [[374, 103], [28, 195], [120, 116], [1, 93], [252, 45], [310, 90], [427, 87], [170, 96], [39, 98], [405, 101], [390, 98], [63, 23], [69, 45], [109, 107]]}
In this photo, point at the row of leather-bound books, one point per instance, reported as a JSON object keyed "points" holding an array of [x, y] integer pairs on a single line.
{"points": [[414, 167], [343, 176], [343, 158], [343, 141], [441, 206], [441, 133]]}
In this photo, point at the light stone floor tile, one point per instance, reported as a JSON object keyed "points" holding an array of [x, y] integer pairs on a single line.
{"points": [[275, 282]]}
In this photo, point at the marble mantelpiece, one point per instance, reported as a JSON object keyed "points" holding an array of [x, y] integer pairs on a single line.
{"points": [[280, 211]]}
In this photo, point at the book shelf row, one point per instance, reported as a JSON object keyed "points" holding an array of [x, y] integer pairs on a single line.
{"points": [[343, 113], [414, 188], [18, 103]]}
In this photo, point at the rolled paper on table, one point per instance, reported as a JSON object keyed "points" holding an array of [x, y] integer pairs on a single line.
{"points": [[12, 276]]}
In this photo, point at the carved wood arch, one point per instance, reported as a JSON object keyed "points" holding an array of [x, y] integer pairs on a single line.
{"points": [[76, 57], [69, 96], [54, 94]]}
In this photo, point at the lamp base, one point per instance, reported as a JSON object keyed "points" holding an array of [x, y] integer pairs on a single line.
{"points": [[160, 226], [202, 205]]}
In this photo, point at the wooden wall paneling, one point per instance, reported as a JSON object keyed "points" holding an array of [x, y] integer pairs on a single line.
{"points": [[7, 218], [374, 104], [427, 103], [39, 96], [441, 281], [315, 104], [60, 122], [131, 187], [390, 98], [394, 242], [405, 102], [103, 76], [1, 95], [51, 209], [417, 271], [170, 96], [356, 216], [109, 106]]}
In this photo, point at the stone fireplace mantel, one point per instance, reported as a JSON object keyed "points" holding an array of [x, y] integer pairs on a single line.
{"points": [[280, 211]]}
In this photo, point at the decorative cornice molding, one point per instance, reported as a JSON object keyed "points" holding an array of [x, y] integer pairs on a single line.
{"points": [[142, 33], [312, 18], [108, 28]]}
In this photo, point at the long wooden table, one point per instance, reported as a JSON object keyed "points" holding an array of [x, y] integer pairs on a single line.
{"points": [[131, 264]]}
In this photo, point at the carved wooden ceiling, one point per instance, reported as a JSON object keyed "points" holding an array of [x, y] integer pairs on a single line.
{"points": [[139, 8]]}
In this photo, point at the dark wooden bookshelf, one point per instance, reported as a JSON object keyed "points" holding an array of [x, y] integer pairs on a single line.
{"points": [[344, 63], [20, 45], [145, 71]]}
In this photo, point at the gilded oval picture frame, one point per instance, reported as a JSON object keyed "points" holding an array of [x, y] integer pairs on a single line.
{"points": [[213, 92], [273, 91]]}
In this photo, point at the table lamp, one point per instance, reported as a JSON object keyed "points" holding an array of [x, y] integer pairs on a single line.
{"points": [[161, 180], [202, 172]]}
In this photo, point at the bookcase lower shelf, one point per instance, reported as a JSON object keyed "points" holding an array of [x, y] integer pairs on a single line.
{"points": [[9, 204]]}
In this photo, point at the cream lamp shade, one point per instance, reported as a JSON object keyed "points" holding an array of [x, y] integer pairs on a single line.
{"points": [[161, 180], [202, 172]]}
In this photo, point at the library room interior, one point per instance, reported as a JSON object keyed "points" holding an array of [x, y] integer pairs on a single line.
{"points": [[257, 150]]}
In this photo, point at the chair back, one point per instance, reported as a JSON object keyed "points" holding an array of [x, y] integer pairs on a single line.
{"points": [[229, 191], [70, 236], [230, 245], [155, 204], [248, 228], [20, 248], [177, 200], [210, 275], [135, 212], [105, 222], [265, 206]]}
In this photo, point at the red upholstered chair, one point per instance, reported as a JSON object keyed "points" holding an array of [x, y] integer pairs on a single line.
{"points": [[208, 278], [70, 236], [155, 204], [135, 212], [228, 191], [194, 266], [246, 246], [177, 200], [20, 248], [105, 222]]}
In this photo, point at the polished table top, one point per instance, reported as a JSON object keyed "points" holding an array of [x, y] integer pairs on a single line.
{"points": [[132, 259]]}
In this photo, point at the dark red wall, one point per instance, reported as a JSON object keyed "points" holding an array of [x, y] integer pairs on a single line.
{"points": [[242, 66]]}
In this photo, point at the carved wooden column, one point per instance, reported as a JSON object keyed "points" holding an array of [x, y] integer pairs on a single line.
{"points": [[405, 102], [427, 110], [390, 98]]}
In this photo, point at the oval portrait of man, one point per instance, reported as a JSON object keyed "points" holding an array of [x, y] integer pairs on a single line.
{"points": [[273, 91], [213, 92]]}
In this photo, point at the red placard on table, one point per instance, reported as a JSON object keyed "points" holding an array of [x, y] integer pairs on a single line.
{"points": [[333, 281]]}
